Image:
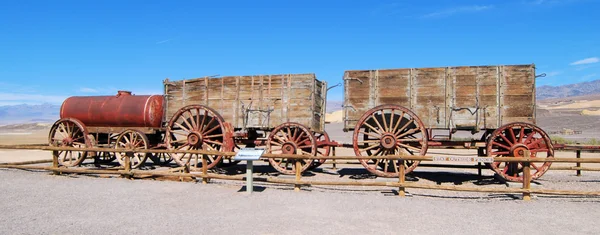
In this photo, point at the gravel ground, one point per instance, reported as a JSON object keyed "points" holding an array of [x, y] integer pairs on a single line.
{"points": [[39, 203]]}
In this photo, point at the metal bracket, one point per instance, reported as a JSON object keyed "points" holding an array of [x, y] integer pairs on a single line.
{"points": [[347, 78]]}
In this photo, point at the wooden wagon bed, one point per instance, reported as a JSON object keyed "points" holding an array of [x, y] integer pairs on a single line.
{"points": [[253, 102], [467, 97]]}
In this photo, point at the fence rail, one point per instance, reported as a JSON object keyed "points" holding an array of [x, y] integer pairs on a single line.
{"points": [[127, 172]]}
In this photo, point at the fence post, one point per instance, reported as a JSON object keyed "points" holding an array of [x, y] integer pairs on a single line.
{"points": [[298, 175], [55, 163], [578, 164], [527, 176], [186, 170], [204, 170], [334, 163], [128, 165], [401, 190]]}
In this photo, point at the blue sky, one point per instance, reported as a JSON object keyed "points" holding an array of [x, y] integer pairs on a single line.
{"points": [[50, 50]]}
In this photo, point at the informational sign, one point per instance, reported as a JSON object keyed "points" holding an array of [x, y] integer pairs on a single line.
{"points": [[464, 159], [249, 154]]}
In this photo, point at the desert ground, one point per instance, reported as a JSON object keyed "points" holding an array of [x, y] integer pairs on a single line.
{"points": [[37, 202]]}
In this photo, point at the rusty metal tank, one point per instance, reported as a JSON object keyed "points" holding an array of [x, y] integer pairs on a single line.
{"points": [[121, 110]]}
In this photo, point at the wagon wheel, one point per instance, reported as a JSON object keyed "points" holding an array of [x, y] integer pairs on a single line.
{"points": [[389, 130], [291, 138], [132, 140], [321, 150], [160, 158], [511, 140], [104, 157], [69, 132], [197, 127]]}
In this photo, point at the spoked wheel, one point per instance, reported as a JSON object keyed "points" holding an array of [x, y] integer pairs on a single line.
{"points": [[160, 158], [69, 132], [291, 138], [197, 127], [389, 130], [132, 140], [511, 140], [104, 157], [322, 150]]}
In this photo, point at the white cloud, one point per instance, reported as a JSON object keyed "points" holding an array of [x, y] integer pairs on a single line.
{"points": [[590, 60], [88, 90], [457, 10], [22, 98], [164, 41]]}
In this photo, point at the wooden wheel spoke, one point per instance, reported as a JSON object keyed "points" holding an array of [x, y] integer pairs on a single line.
{"points": [[532, 144], [408, 146], [398, 131], [212, 119], [500, 145], [213, 142], [192, 119], [371, 134], [409, 132], [395, 129], [529, 138], [534, 166], [203, 120], [182, 127], [503, 153], [368, 141], [521, 133], [506, 139], [369, 148], [198, 123], [373, 128], [190, 127], [377, 121], [385, 126], [214, 136], [512, 135], [211, 130]]}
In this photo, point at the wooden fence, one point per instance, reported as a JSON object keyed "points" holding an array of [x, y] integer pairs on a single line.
{"points": [[298, 182]]}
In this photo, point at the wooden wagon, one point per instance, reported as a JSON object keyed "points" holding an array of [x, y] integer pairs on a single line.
{"points": [[285, 113], [395, 111]]}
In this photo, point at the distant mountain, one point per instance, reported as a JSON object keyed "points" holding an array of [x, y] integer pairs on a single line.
{"points": [[333, 106], [577, 89], [24, 113]]}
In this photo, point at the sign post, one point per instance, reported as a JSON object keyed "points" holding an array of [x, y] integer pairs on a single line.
{"points": [[249, 155]]}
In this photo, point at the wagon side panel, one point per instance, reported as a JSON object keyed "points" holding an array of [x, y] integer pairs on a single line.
{"points": [[358, 97], [428, 96], [517, 94], [474, 100], [182, 93], [301, 93]]}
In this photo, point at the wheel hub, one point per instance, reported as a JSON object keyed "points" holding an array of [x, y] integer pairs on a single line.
{"points": [[289, 148], [518, 150], [388, 141], [194, 139], [67, 141]]}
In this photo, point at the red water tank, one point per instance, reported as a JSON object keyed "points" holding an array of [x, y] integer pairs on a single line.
{"points": [[122, 110]]}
